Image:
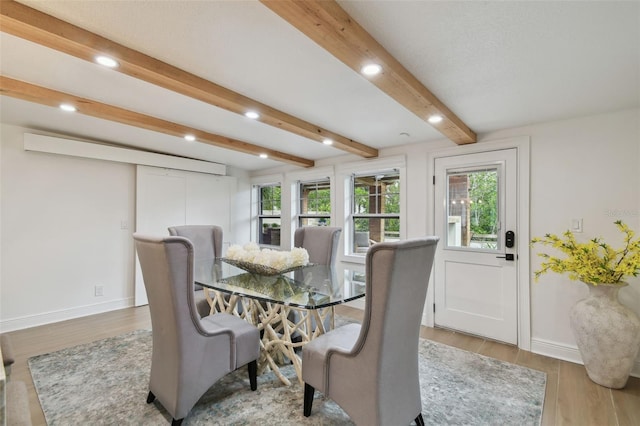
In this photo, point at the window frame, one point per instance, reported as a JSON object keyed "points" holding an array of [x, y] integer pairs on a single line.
{"points": [[260, 216], [299, 200], [498, 168], [354, 215]]}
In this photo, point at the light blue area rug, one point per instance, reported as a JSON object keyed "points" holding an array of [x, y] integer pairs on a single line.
{"points": [[105, 383]]}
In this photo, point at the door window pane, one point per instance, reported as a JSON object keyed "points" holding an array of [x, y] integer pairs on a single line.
{"points": [[472, 209]]}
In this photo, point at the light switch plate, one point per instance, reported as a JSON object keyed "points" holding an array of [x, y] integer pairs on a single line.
{"points": [[576, 225]]}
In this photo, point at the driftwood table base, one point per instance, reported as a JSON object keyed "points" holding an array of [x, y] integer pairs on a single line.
{"points": [[283, 333]]}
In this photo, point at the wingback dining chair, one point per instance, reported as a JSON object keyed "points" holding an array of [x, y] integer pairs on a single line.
{"points": [[371, 370], [189, 353], [207, 244], [321, 242]]}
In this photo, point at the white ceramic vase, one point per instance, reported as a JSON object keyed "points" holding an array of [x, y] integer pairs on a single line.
{"points": [[607, 334]]}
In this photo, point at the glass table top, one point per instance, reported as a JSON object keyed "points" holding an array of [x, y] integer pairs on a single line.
{"points": [[309, 287]]}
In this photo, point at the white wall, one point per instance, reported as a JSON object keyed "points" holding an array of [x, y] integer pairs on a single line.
{"points": [[581, 168], [60, 228], [61, 236], [60, 218]]}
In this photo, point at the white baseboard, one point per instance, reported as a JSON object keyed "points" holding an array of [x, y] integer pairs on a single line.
{"points": [[567, 353], [63, 315]]}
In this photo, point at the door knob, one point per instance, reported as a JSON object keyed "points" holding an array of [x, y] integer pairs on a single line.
{"points": [[507, 256]]}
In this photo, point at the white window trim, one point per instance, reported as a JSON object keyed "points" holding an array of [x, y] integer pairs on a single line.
{"points": [[275, 179], [371, 166], [292, 181], [313, 174], [344, 173], [297, 198]]}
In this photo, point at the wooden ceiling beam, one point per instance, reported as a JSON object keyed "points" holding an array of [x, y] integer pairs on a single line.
{"points": [[331, 27], [42, 95], [33, 25]]}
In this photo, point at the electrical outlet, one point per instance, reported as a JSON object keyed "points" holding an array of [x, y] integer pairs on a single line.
{"points": [[99, 291]]}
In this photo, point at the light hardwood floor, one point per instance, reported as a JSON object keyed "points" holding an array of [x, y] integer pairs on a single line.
{"points": [[571, 398]]}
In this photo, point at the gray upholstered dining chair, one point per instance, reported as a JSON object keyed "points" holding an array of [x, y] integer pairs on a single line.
{"points": [[321, 242], [207, 244], [371, 370], [189, 353]]}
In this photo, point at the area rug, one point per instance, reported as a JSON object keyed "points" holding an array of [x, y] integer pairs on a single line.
{"points": [[105, 383]]}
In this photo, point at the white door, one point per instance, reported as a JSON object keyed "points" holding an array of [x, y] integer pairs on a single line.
{"points": [[161, 200], [166, 197], [476, 265]]}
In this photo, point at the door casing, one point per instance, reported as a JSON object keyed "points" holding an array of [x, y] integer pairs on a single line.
{"points": [[522, 145]]}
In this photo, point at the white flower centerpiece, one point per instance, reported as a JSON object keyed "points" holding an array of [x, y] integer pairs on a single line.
{"points": [[266, 261]]}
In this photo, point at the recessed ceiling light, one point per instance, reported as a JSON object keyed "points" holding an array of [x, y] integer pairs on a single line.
{"points": [[371, 69], [264, 156], [327, 142], [68, 108], [252, 115], [434, 119], [190, 138], [107, 61]]}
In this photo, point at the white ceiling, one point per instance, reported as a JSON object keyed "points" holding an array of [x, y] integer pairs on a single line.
{"points": [[494, 64]]}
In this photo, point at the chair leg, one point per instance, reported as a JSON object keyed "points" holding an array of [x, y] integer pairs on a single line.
{"points": [[151, 397], [308, 399], [419, 420], [253, 373]]}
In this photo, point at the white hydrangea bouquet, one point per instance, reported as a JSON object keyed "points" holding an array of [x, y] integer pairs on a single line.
{"points": [[266, 261]]}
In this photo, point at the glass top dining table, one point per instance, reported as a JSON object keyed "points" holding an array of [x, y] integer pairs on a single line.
{"points": [[309, 287], [290, 309]]}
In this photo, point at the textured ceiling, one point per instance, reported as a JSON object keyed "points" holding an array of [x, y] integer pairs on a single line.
{"points": [[494, 64]]}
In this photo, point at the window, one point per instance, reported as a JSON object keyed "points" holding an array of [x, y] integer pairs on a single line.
{"points": [[472, 208], [269, 209], [314, 203], [375, 212]]}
